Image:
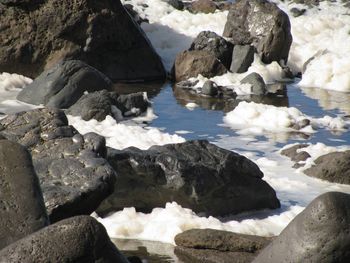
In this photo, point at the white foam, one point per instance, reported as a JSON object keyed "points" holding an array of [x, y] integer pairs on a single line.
{"points": [[123, 135], [255, 118]]}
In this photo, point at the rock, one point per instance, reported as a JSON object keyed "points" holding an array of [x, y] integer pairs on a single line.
{"points": [[195, 174], [242, 58], [209, 88], [61, 86], [20, 3], [177, 4], [261, 24], [297, 12], [257, 83], [130, 9], [221, 240], [22, 209], [203, 6], [189, 64], [211, 256], [99, 104], [333, 167], [318, 234], [295, 155], [102, 34], [78, 239], [73, 174], [214, 44]]}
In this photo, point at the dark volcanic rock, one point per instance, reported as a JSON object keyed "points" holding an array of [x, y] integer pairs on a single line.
{"points": [[318, 234], [100, 33], [195, 174], [262, 24], [177, 4], [73, 174], [214, 44], [79, 239], [221, 240], [242, 58], [98, 105], [189, 64], [61, 86], [333, 167], [296, 156], [22, 209], [257, 83]]}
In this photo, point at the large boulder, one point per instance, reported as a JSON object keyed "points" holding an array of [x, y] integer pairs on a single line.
{"points": [[99, 104], [73, 174], [216, 246], [189, 64], [195, 174], [22, 209], [318, 234], [79, 239], [242, 58], [333, 167], [61, 86], [101, 33], [261, 24], [214, 44]]}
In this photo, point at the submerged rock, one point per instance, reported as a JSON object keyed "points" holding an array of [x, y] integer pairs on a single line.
{"points": [[100, 33], [195, 174], [73, 174], [189, 64], [333, 167], [262, 24], [318, 234], [79, 239], [22, 209], [216, 246], [61, 86], [98, 105]]}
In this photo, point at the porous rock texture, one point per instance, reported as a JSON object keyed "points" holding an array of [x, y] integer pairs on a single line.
{"points": [[262, 24], [318, 234], [73, 174], [195, 174], [35, 35], [22, 209], [79, 239]]}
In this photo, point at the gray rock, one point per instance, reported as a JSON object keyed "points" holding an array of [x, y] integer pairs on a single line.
{"points": [[297, 12], [101, 33], [195, 174], [73, 174], [262, 24], [209, 88], [296, 156], [333, 167], [214, 44], [257, 83], [61, 86], [177, 4], [99, 104], [79, 239], [189, 64], [22, 209], [318, 234], [221, 240], [242, 58]]}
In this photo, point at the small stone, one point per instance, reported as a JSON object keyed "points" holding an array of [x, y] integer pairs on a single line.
{"points": [[210, 88]]}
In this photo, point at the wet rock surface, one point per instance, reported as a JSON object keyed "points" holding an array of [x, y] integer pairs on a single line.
{"points": [[333, 167], [61, 86], [318, 234], [79, 239], [102, 34], [262, 24], [195, 174], [22, 209], [73, 174], [98, 105]]}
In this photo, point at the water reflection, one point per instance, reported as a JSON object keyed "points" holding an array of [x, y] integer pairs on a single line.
{"points": [[152, 88], [328, 99], [226, 104], [148, 251]]}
